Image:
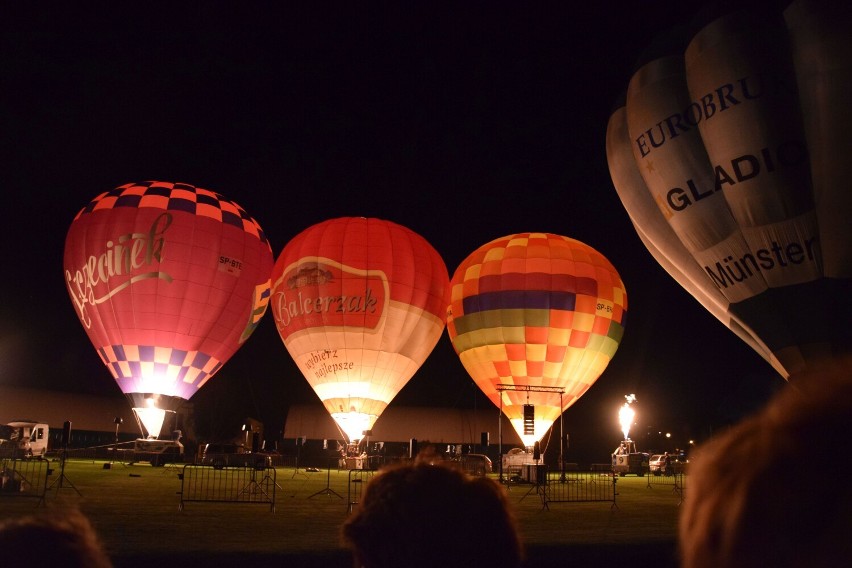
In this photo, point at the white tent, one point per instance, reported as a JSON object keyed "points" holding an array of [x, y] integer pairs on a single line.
{"points": [[400, 424]]}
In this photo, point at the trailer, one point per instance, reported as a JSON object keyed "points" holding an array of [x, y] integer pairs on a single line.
{"points": [[626, 459], [158, 452]]}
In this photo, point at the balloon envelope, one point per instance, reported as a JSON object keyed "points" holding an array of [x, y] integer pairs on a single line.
{"points": [[168, 280], [535, 319], [359, 304], [738, 177]]}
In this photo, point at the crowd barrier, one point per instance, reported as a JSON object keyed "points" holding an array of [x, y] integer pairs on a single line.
{"points": [[358, 479], [675, 479], [572, 486], [214, 484], [24, 477]]}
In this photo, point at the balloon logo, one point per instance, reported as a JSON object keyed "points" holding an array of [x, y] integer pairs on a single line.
{"points": [[532, 313], [168, 280], [732, 161], [359, 304]]}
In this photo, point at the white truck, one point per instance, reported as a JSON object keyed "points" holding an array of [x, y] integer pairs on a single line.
{"points": [[24, 439], [514, 461]]}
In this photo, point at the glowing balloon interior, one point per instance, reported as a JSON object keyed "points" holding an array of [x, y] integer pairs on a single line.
{"points": [[731, 157], [168, 280], [359, 304], [536, 310]]}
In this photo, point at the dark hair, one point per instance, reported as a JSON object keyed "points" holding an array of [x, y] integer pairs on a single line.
{"points": [[64, 538], [766, 492], [419, 515]]}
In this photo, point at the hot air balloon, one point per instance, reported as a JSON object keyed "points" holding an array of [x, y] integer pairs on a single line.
{"points": [[359, 304], [730, 156], [535, 319], [168, 280]]}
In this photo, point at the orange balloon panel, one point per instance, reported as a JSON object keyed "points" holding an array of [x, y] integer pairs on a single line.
{"points": [[168, 280], [359, 303], [536, 312]]}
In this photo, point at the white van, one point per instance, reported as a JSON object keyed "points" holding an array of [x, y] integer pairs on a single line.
{"points": [[25, 438]]}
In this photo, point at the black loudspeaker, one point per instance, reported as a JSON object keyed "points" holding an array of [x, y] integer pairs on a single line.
{"points": [[412, 448], [536, 452], [255, 442], [483, 439], [66, 433], [529, 419]]}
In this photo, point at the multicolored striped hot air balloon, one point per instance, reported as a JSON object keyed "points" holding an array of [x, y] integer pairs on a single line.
{"points": [[731, 157], [168, 280], [359, 303], [535, 319]]}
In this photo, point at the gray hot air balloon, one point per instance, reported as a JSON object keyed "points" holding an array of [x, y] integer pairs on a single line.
{"points": [[733, 159]]}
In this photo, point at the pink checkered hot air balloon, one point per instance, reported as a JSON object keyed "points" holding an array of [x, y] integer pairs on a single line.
{"points": [[535, 319], [359, 303], [168, 280]]}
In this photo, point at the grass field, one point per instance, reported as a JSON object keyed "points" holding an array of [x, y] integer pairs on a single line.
{"points": [[135, 509]]}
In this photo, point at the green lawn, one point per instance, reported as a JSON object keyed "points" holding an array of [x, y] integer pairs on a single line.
{"points": [[136, 511]]}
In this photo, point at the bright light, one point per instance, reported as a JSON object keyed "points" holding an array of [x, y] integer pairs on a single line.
{"points": [[626, 415], [353, 424], [152, 418], [539, 430]]}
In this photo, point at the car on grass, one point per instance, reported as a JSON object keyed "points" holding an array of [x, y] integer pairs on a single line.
{"points": [[475, 464], [656, 464], [666, 464]]}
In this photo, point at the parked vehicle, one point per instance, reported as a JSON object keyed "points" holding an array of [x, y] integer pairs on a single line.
{"points": [[515, 459], [657, 464], [666, 464], [24, 438], [475, 464], [626, 459]]}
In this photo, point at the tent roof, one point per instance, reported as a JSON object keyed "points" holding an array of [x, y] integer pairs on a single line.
{"points": [[400, 424], [85, 412]]}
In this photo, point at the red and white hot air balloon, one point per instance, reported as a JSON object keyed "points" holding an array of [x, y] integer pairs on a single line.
{"points": [[359, 304], [168, 280]]}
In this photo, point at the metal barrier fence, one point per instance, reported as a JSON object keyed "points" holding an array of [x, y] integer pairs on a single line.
{"points": [[577, 487], [125, 454], [675, 479], [211, 484], [24, 477], [358, 479]]}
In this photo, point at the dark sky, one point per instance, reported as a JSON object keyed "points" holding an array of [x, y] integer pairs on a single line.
{"points": [[464, 122]]}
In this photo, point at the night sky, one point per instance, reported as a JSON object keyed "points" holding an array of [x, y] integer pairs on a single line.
{"points": [[464, 122]]}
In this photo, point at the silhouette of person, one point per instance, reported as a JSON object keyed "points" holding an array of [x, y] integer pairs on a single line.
{"points": [[762, 493], [64, 539], [422, 514]]}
